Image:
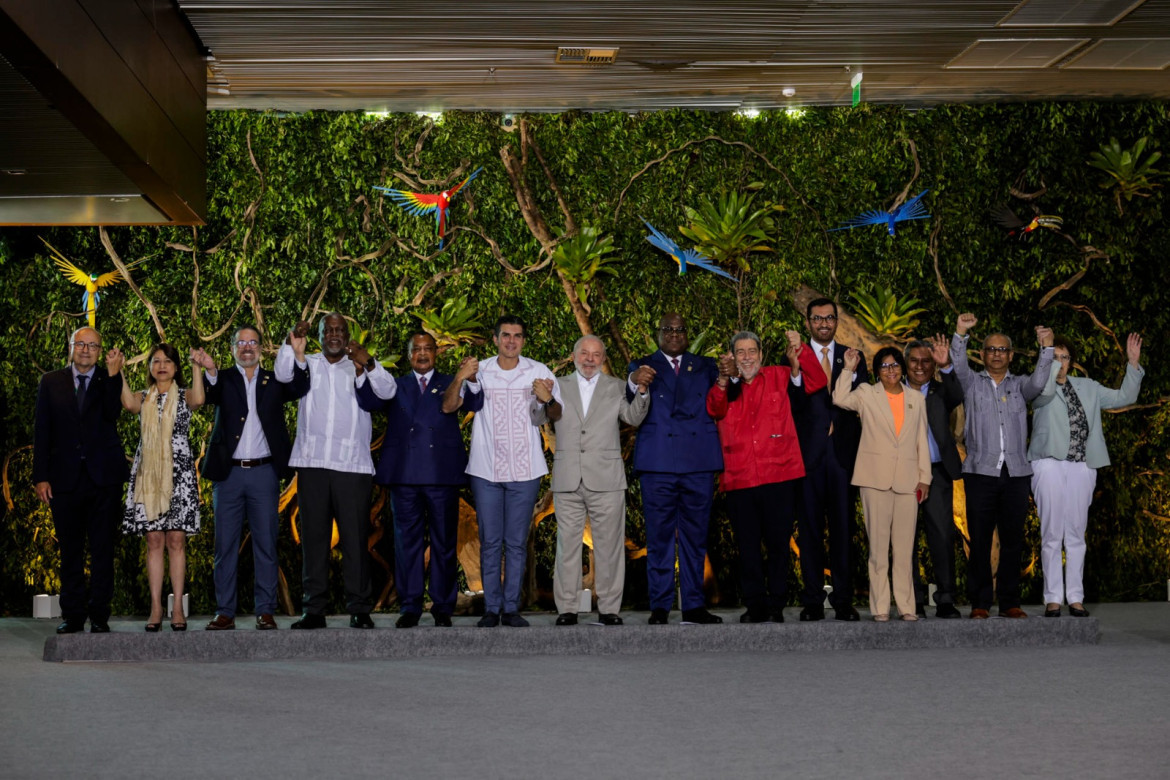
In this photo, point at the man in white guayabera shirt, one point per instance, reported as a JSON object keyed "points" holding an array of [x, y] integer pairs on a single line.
{"points": [[506, 463], [334, 469]]}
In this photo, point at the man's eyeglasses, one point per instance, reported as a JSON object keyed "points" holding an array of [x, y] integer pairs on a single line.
{"points": [[669, 329], [997, 350], [90, 345], [247, 343], [817, 319]]}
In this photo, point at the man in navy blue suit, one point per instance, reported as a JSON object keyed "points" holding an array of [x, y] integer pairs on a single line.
{"points": [[676, 457], [423, 461], [245, 461], [78, 470], [828, 443]]}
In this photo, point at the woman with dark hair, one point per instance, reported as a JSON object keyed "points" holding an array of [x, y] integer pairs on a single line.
{"points": [[892, 471], [162, 502], [1066, 450]]}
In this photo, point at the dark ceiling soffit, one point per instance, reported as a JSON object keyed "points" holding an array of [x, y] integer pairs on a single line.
{"points": [[161, 162]]}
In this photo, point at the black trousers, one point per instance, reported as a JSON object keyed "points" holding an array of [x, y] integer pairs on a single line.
{"points": [[325, 495], [88, 513], [763, 516], [828, 502], [995, 503], [936, 518]]}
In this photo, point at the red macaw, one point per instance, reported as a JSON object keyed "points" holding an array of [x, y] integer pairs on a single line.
{"points": [[417, 203]]}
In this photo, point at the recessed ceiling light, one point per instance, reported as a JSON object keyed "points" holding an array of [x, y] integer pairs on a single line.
{"points": [[788, 92]]}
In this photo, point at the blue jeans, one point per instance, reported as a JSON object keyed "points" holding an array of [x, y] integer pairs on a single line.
{"points": [[504, 510], [247, 494]]}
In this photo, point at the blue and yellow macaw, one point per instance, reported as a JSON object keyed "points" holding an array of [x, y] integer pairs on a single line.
{"points": [[91, 282], [681, 256], [911, 209], [417, 203]]}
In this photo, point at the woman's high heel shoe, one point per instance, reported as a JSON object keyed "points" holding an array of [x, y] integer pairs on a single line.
{"points": [[152, 628], [179, 626]]}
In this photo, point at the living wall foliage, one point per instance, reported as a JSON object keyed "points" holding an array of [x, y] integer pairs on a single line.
{"points": [[295, 228]]}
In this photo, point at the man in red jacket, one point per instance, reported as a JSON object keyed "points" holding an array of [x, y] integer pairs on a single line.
{"points": [[761, 462]]}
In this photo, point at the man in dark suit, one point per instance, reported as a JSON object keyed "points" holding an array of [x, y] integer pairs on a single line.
{"points": [[78, 470], [423, 461], [828, 443], [246, 459], [676, 457], [937, 515]]}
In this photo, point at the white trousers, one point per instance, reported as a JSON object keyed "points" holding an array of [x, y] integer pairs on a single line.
{"points": [[1063, 491]]}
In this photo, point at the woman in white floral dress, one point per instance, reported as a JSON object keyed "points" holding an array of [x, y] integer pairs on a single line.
{"points": [[162, 502]]}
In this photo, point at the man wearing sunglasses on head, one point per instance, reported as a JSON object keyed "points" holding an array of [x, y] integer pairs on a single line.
{"points": [[246, 459], [996, 473]]}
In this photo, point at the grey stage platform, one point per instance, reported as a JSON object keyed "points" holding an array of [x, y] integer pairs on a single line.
{"points": [[128, 642]]}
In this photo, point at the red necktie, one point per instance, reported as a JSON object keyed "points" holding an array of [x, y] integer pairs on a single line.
{"points": [[422, 385], [674, 362]]}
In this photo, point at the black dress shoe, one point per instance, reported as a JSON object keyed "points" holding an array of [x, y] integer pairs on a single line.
{"points": [[659, 617], [815, 612], [947, 612], [1052, 612], [309, 622], [71, 627], [489, 620], [848, 614], [407, 620], [362, 620], [920, 610], [1078, 612], [700, 617], [442, 619], [754, 616], [567, 619], [609, 619], [102, 627], [513, 620]]}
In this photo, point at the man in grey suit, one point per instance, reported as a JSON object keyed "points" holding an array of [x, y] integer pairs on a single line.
{"points": [[589, 476]]}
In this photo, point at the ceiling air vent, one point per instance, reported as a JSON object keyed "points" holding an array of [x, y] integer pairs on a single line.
{"points": [[1015, 53], [1069, 13], [1127, 54], [583, 55]]}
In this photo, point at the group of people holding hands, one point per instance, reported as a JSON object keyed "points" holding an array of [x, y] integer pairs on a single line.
{"points": [[788, 444]]}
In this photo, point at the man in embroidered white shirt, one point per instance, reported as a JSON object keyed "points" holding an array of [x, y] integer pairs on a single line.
{"points": [[334, 468], [505, 464]]}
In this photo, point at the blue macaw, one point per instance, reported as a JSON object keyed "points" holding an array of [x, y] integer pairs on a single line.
{"points": [[417, 203], [911, 209], [683, 257]]}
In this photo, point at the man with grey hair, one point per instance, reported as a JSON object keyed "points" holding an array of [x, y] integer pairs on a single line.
{"points": [[78, 470], [937, 515], [762, 464], [996, 473], [589, 479]]}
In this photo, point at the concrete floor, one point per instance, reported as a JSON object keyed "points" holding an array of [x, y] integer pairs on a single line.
{"points": [[1084, 711]]}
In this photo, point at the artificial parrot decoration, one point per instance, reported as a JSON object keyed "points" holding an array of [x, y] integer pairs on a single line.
{"points": [[91, 282], [1005, 217], [683, 257], [911, 209], [417, 203]]}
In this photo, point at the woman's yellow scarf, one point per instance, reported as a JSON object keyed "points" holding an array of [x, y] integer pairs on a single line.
{"points": [[155, 480]]}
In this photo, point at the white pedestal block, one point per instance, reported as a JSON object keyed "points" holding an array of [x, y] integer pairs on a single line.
{"points": [[46, 606], [171, 605], [585, 600]]}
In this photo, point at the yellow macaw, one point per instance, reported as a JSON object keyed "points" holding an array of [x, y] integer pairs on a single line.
{"points": [[91, 282]]}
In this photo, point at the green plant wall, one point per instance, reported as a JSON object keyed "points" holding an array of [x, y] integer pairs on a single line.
{"points": [[296, 228]]}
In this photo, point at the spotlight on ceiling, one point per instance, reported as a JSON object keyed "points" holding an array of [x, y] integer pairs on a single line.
{"points": [[748, 113], [788, 92]]}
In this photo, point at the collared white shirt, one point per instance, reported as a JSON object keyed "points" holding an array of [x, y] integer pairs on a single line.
{"points": [[586, 388], [333, 432], [419, 377], [505, 445]]}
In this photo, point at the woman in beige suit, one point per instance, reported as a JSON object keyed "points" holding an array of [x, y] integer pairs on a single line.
{"points": [[892, 471]]}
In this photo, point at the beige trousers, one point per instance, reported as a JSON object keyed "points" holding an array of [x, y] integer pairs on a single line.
{"points": [[890, 520], [607, 521]]}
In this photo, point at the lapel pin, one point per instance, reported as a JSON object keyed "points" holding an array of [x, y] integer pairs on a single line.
{"points": [[689, 368], [434, 390]]}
